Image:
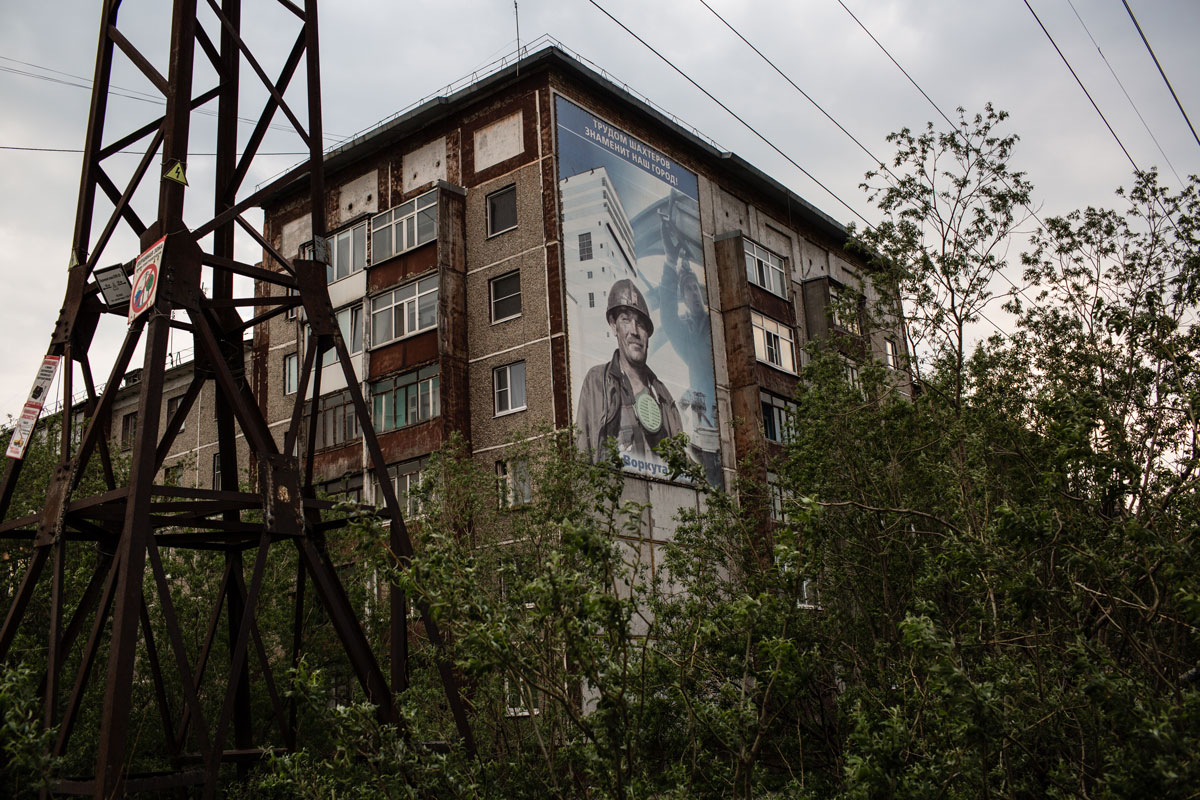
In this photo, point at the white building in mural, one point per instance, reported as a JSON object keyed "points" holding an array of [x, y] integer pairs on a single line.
{"points": [[598, 237]]}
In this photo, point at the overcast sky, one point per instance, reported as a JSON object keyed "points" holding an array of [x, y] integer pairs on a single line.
{"points": [[381, 57]]}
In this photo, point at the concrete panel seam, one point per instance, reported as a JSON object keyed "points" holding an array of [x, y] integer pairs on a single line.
{"points": [[506, 350]]}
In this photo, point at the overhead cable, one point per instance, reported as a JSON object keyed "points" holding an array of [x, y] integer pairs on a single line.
{"points": [[118, 91], [1146, 42], [733, 114], [1132, 104]]}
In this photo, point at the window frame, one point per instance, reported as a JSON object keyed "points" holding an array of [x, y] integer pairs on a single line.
{"points": [[329, 357], [395, 224], [388, 389], [507, 390], [838, 310], [129, 428], [335, 413], [492, 197], [514, 484], [392, 303], [332, 240], [410, 506], [781, 416], [173, 474], [293, 312], [853, 378], [291, 373], [891, 353], [768, 332], [778, 499], [493, 299], [762, 265], [173, 404], [347, 489]]}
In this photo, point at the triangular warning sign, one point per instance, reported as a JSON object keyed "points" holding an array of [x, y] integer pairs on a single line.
{"points": [[175, 173]]}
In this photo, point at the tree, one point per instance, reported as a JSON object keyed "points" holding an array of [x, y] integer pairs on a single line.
{"points": [[1009, 586], [950, 203], [1008, 569]]}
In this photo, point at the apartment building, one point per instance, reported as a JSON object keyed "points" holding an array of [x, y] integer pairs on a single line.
{"points": [[543, 250]]}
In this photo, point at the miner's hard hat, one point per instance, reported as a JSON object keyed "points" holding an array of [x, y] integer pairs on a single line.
{"points": [[624, 294]]}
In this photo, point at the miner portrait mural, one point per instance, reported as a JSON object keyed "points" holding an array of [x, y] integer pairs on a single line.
{"points": [[623, 398], [639, 332]]}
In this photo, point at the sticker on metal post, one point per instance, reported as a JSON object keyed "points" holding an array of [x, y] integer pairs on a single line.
{"points": [[175, 173], [145, 279], [23, 428], [114, 285]]}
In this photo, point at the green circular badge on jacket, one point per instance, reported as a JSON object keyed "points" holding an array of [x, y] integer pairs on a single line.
{"points": [[648, 412]]}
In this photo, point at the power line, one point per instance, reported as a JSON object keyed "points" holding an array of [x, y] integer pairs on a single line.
{"points": [[122, 152], [118, 91], [769, 143], [1074, 75], [1146, 42], [842, 128], [1136, 168], [1032, 213], [733, 114], [936, 107], [1125, 92], [807, 97]]}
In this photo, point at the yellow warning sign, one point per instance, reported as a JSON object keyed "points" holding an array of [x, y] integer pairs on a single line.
{"points": [[175, 173], [74, 259]]}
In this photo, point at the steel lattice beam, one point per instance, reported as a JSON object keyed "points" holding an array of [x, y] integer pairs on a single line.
{"points": [[130, 524]]}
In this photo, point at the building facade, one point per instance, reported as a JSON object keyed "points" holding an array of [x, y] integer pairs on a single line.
{"points": [[542, 250]]}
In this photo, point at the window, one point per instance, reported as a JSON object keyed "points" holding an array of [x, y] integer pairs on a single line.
{"points": [[404, 311], [773, 342], [520, 699], [336, 421], [216, 471], [406, 482], [585, 247], [779, 498], [173, 408], [765, 269], [891, 353], [506, 296], [810, 595], [407, 399], [348, 489], [777, 417], [514, 487], [349, 320], [292, 312], [508, 385], [844, 308], [347, 253], [502, 211], [291, 373], [129, 428], [404, 227], [591, 299], [852, 375], [173, 475]]}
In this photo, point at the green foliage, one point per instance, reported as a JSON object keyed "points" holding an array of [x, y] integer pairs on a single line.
{"points": [[24, 744], [1008, 595], [1009, 586]]}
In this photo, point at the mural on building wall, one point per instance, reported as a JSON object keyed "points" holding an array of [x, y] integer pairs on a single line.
{"points": [[637, 310]]}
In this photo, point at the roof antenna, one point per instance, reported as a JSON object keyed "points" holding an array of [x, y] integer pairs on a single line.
{"points": [[517, 19]]}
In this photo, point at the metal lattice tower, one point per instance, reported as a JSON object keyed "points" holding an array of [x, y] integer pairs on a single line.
{"points": [[127, 527]]}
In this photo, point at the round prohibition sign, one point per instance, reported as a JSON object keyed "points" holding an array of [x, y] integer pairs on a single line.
{"points": [[143, 289]]}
